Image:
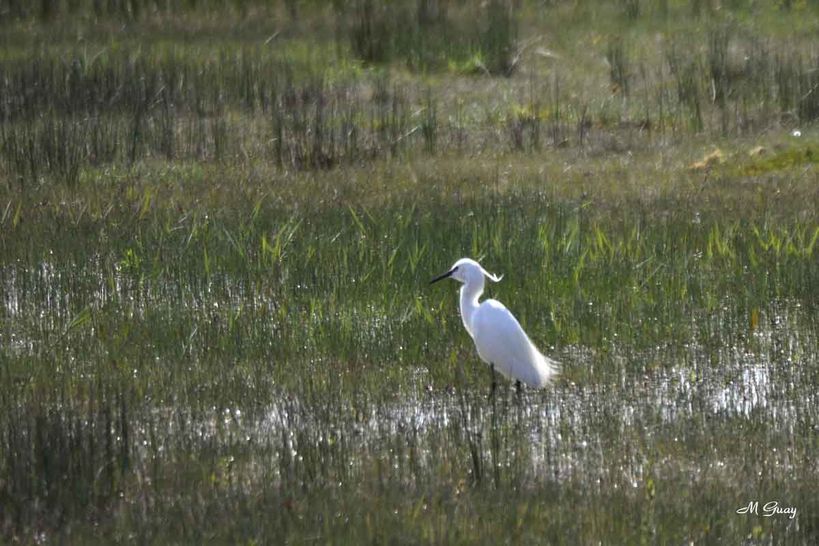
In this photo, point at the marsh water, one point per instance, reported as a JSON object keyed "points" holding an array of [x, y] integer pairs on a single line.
{"points": [[118, 408]]}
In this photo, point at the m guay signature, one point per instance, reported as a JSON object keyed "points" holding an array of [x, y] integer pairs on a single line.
{"points": [[769, 509]]}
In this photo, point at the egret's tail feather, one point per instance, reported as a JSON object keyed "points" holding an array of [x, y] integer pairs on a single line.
{"points": [[548, 370]]}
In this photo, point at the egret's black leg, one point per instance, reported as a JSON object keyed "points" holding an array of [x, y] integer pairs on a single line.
{"points": [[494, 380], [518, 387]]}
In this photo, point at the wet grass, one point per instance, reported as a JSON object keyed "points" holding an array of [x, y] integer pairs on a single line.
{"points": [[216, 324]]}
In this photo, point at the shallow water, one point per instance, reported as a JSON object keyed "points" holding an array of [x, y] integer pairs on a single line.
{"points": [[159, 388]]}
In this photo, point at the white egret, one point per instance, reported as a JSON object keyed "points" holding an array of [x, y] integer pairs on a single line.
{"points": [[498, 336]]}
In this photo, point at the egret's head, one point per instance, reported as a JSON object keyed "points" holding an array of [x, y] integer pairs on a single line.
{"points": [[467, 270]]}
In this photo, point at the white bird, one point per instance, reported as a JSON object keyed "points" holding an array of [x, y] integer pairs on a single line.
{"points": [[498, 336]]}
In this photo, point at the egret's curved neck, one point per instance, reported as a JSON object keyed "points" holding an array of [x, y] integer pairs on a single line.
{"points": [[470, 292]]}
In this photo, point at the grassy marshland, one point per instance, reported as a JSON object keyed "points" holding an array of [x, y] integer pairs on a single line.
{"points": [[218, 219]]}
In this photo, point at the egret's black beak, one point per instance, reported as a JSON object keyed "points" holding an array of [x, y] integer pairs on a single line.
{"points": [[442, 277]]}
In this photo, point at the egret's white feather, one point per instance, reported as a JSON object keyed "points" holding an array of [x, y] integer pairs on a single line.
{"points": [[501, 341]]}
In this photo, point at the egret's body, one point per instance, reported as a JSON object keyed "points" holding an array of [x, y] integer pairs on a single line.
{"points": [[498, 336]]}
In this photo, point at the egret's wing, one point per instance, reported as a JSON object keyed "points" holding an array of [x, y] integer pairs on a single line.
{"points": [[501, 341]]}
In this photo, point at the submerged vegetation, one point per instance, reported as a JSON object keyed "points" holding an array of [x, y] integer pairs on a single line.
{"points": [[218, 219]]}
